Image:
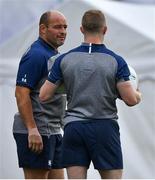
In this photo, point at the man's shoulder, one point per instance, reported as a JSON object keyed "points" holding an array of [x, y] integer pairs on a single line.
{"points": [[32, 53], [35, 50], [74, 50], [37, 47], [114, 54]]}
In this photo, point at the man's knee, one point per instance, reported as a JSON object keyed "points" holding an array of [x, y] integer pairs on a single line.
{"points": [[56, 174], [111, 174], [77, 172], [35, 173]]}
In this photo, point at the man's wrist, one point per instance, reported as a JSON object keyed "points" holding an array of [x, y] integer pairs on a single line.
{"points": [[32, 130]]}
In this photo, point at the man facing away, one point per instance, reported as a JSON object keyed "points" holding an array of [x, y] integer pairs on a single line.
{"points": [[94, 77], [36, 127]]}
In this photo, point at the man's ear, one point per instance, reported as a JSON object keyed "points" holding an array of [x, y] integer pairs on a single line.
{"points": [[42, 28], [81, 29], [104, 29]]}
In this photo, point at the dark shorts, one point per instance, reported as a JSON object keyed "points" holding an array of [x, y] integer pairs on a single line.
{"points": [[49, 158], [97, 141]]}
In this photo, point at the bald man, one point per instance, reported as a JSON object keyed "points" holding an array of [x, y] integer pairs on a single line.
{"points": [[37, 126]]}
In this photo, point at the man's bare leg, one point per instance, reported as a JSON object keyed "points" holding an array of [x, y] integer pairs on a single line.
{"points": [[111, 174], [77, 172], [35, 173], [56, 174]]}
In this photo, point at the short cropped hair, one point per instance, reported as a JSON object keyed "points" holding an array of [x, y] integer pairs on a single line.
{"points": [[93, 20], [44, 18]]}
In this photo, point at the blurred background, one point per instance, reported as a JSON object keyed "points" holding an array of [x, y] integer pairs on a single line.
{"points": [[131, 33]]}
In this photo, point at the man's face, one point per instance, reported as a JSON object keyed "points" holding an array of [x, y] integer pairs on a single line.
{"points": [[56, 31]]}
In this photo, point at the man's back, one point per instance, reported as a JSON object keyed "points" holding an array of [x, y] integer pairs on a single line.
{"points": [[90, 74]]}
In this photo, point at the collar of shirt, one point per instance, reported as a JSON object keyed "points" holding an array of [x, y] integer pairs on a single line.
{"points": [[92, 44], [47, 45]]}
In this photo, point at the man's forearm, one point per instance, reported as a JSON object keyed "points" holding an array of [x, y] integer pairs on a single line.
{"points": [[25, 110], [47, 91]]}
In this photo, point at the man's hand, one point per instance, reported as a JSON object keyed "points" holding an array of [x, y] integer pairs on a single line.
{"points": [[35, 140]]}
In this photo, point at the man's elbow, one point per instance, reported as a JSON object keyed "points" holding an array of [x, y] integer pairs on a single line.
{"points": [[132, 101]]}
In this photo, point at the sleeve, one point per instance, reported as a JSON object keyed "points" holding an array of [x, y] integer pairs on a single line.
{"points": [[31, 68], [55, 74], [123, 72]]}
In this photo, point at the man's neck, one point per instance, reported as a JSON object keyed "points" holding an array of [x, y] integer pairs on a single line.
{"points": [[93, 40], [56, 49]]}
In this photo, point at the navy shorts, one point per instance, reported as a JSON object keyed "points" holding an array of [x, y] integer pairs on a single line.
{"points": [[49, 158], [94, 140]]}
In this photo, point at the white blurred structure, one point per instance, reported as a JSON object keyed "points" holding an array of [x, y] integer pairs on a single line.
{"points": [[131, 33], [139, 1]]}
